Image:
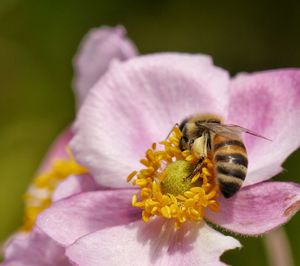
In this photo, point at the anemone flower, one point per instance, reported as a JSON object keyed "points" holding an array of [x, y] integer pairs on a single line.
{"points": [[59, 176], [135, 104], [31, 246], [131, 102]]}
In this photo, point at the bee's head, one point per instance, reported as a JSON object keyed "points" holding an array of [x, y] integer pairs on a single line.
{"points": [[183, 145], [186, 143], [190, 132]]}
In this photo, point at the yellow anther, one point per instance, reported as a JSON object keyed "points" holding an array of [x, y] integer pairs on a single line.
{"points": [[154, 210], [163, 176], [132, 174], [165, 200], [182, 219], [195, 178], [166, 212], [195, 213], [155, 187], [173, 198], [189, 202], [204, 179], [147, 172], [189, 158], [144, 162], [141, 182], [211, 194], [180, 197], [206, 172], [188, 194], [151, 203], [134, 200], [146, 192], [145, 216], [196, 189], [139, 204], [150, 155]]}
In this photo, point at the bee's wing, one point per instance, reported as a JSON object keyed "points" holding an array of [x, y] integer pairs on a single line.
{"points": [[230, 130]]}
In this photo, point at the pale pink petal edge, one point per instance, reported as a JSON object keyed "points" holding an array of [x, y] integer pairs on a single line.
{"points": [[259, 208]]}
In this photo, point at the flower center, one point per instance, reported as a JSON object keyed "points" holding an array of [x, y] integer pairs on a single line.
{"points": [[39, 195], [176, 181], [170, 188]]}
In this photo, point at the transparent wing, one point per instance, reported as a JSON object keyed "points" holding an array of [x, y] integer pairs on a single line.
{"points": [[230, 130]]}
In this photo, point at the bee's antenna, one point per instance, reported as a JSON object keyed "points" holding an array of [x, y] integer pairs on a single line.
{"points": [[176, 125]]}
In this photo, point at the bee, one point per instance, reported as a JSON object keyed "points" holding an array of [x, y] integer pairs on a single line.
{"points": [[204, 134]]}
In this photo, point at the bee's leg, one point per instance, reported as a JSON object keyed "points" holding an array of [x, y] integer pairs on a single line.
{"points": [[176, 125], [197, 168]]}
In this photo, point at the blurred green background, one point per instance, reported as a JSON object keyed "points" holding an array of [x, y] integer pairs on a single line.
{"points": [[39, 38]]}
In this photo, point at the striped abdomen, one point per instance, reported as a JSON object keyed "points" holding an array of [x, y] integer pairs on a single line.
{"points": [[230, 160]]}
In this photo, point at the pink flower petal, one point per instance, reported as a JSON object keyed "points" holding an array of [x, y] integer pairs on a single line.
{"points": [[258, 208], [137, 103], [153, 243], [57, 150], [34, 249], [68, 219], [269, 104], [97, 50], [74, 184]]}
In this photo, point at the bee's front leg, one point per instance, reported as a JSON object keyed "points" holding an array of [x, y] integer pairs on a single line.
{"points": [[199, 149], [197, 168]]}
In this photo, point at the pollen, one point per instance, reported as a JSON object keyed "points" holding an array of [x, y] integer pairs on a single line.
{"points": [[170, 188], [39, 194]]}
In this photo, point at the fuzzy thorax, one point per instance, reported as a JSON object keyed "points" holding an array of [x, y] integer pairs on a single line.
{"points": [[168, 187]]}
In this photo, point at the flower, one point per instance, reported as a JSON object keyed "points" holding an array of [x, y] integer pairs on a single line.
{"points": [[27, 246], [59, 176], [34, 249], [134, 104], [31, 246], [98, 49]]}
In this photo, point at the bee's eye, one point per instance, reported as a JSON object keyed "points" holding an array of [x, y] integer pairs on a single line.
{"points": [[191, 141], [183, 143]]}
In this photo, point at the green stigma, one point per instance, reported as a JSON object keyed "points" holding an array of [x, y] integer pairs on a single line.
{"points": [[176, 181]]}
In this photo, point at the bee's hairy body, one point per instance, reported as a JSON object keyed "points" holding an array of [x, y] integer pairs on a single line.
{"points": [[228, 151], [230, 162]]}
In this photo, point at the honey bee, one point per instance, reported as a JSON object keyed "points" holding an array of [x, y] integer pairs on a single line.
{"points": [[203, 134]]}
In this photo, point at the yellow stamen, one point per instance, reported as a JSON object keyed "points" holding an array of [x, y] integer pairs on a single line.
{"points": [[131, 176], [47, 182], [156, 197]]}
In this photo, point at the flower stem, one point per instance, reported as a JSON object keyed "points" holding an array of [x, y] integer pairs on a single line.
{"points": [[278, 248]]}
